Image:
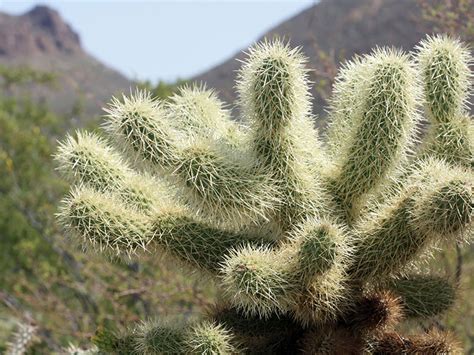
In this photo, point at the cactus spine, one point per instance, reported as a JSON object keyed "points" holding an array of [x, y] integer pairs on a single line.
{"points": [[22, 340], [315, 249]]}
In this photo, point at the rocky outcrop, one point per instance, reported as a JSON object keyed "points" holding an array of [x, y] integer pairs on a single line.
{"points": [[39, 31], [43, 40]]}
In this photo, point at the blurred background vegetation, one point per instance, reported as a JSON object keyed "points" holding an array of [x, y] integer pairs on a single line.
{"points": [[49, 283], [43, 280]]}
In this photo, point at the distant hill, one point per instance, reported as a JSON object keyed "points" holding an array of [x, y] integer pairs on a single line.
{"points": [[344, 27], [42, 40]]}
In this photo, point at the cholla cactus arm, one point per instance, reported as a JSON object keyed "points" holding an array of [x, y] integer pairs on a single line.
{"points": [[452, 141], [158, 337], [323, 251], [224, 186], [274, 96], [444, 66], [103, 223], [217, 184], [198, 243], [344, 104], [444, 208], [304, 277], [436, 197], [208, 338], [424, 295], [199, 113], [259, 281], [272, 335], [384, 91], [141, 125], [317, 247], [433, 342], [107, 226], [89, 160]]}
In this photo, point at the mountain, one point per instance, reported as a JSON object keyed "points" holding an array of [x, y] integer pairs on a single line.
{"points": [[342, 27], [42, 40]]}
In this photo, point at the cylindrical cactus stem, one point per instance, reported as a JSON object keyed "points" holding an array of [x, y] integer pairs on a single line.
{"points": [[444, 65], [274, 96], [141, 125], [273, 87], [374, 312], [322, 254], [225, 187], [107, 226], [199, 244], [434, 342], [381, 126], [198, 338], [437, 196], [156, 337], [444, 207], [197, 111], [88, 159], [219, 184], [276, 334], [305, 277], [259, 281], [452, 141], [323, 298], [209, 338], [318, 244], [344, 104], [103, 224], [423, 295]]}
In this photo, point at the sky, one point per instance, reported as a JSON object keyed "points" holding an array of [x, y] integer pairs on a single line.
{"points": [[166, 40]]}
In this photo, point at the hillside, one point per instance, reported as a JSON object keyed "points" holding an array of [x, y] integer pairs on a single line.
{"points": [[42, 40], [342, 27]]}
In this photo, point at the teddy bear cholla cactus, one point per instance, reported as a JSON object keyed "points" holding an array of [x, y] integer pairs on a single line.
{"points": [[314, 247]]}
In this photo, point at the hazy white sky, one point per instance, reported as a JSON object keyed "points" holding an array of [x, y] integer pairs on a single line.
{"points": [[166, 39]]}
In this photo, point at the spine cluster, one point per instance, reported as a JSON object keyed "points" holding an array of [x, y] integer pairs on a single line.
{"points": [[22, 340]]}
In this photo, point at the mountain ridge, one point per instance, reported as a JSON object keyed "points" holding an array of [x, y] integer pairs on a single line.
{"points": [[343, 27], [41, 39], [39, 30]]}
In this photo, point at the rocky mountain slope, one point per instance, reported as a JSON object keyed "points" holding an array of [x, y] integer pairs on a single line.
{"points": [[341, 27], [42, 40]]}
